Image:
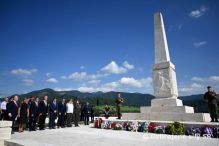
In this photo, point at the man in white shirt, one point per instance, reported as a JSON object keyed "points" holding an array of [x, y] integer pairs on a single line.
{"points": [[3, 109]]}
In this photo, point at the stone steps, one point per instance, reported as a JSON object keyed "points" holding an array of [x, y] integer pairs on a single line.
{"points": [[167, 109], [161, 116]]}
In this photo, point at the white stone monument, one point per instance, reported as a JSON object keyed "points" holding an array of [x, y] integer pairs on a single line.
{"points": [[165, 106]]}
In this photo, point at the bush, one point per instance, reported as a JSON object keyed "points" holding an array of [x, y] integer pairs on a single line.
{"points": [[175, 128]]}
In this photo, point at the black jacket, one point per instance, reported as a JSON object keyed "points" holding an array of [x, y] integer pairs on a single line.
{"points": [[43, 108], [61, 108], [34, 108], [13, 109]]}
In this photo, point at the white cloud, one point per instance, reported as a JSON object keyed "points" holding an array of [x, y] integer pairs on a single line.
{"points": [[199, 44], [209, 79], [128, 66], [94, 81], [52, 80], [199, 85], [86, 89], [199, 12], [197, 79], [122, 84], [63, 89], [192, 89], [110, 86], [83, 76], [214, 78], [113, 68], [195, 85], [78, 75], [130, 81], [28, 82], [25, 72]]}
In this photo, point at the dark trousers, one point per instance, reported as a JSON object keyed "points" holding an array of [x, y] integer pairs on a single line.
{"points": [[76, 118], [52, 118], [118, 110], [69, 119], [61, 120], [106, 115], [32, 122], [86, 119], [13, 120], [3, 115], [42, 119], [213, 110]]}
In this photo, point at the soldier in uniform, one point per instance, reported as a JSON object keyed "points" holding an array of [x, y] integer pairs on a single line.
{"points": [[76, 114], [211, 97], [119, 100]]}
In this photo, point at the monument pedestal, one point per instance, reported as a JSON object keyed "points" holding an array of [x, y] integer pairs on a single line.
{"points": [[167, 109]]}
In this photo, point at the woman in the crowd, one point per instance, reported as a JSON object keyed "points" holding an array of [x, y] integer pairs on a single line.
{"points": [[23, 114], [69, 112]]}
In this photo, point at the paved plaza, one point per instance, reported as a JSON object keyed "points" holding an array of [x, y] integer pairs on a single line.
{"points": [[86, 135]]}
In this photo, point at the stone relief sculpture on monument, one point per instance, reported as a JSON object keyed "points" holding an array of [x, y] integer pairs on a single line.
{"points": [[162, 85]]}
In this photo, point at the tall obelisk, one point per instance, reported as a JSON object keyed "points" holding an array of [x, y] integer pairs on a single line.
{"points": [[164, 75], [166, 106]]}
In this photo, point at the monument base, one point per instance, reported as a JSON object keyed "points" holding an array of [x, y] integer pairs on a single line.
{"points": [[5, 131], [166, 102], [167, 109]]}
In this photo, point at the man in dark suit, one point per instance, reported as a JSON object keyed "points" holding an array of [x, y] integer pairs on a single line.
{"points": [[43, 110], [33, 114], [86, 111], [53, 108], [12, 109], [61, 113]]}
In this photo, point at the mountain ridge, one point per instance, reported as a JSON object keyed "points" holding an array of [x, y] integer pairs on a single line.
{"points": [[100, 98]]}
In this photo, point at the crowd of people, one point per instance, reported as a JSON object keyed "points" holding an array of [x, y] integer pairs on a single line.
{"points": [[32, 113]]}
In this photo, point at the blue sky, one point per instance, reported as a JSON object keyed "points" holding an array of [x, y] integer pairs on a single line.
{"points": [[92, 45]]}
